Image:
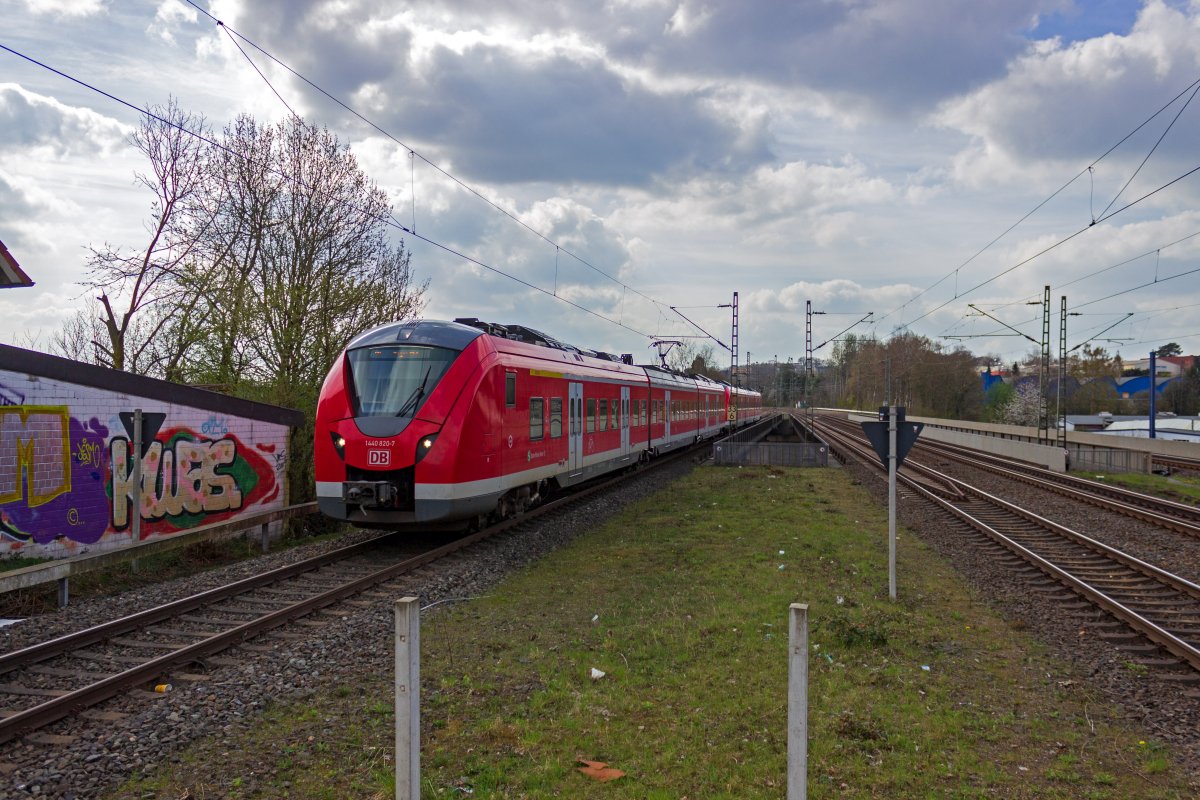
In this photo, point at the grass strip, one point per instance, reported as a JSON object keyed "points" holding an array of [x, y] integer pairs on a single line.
{"points": [[682, 604]]}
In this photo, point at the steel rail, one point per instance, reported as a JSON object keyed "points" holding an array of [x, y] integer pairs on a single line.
{"points": [[89, 636], [1155, 633], [43, 714], [1135, 504], [1168, 514], [1146, 627], [1178, 462]]}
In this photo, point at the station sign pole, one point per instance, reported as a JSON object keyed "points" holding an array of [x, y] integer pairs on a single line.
{"points": [[892, 437]]}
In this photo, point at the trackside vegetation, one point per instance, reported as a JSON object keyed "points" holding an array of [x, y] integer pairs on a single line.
{"points": [[682, 604]]}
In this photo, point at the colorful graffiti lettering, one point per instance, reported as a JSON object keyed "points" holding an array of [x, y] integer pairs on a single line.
{"points": [[88, 452], [187, 480], [51, 475], [35, 440], [66, 477]]}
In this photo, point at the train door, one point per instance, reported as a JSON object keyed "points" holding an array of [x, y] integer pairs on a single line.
{"points": [[575, 426], [624, 420], [667, 415]]}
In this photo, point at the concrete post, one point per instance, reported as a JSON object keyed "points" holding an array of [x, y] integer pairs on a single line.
{"points": [[892, 501], [408, 699], [797, 779]]}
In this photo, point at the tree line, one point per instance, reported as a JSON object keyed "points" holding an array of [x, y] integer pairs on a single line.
{"points": [[930, 379]]}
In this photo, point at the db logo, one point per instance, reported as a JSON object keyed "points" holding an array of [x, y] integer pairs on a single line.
{"points": [[379, 458]]}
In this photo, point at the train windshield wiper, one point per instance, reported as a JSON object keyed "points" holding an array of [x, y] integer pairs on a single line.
{"points": [[410, 405]]}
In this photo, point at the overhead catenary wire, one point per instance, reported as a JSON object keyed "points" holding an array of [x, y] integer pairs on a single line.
{"points": [[1056, 245], [391, 222], [1192, 87], [1094, 273], [414, 153]]}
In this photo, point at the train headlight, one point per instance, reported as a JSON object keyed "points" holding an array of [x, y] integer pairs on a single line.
{"points": [[424, 445], [339, 444]]}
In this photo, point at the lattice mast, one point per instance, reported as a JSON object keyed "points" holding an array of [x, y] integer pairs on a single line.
{"points": [[734, 377], [1061, 418], [1044, 376], [808, 358]]}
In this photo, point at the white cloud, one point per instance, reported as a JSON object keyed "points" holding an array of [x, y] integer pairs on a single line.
{"points": [[1063, 106], [66, 8], [32, 120], [168, 17]]}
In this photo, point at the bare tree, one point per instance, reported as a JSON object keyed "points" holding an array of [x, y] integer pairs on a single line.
{"points": [[131, 282]]}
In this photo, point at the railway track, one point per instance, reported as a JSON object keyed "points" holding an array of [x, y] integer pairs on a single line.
{"points": [[1146, 603], [1179, 517], [64, 677], [1174, 463]]}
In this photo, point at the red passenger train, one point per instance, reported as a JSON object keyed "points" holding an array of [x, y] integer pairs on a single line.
{"points": [[437, 423]]}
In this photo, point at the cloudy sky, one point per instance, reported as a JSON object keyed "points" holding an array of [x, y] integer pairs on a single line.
{"points": [[903, 158]]}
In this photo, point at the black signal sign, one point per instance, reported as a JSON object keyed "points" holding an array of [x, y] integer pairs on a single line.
{"points": [[906, 436]]}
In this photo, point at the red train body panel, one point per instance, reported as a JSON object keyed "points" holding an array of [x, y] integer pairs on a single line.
{"points": [[442, 423]]}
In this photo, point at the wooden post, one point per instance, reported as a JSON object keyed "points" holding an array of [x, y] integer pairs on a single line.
{"points": [[408, 699], [797, 744]]}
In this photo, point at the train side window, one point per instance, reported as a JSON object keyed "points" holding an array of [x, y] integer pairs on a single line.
{"points": [[537, 418], [510, 389], [603, 415], [644, 418], [591, 415], [555, 417], [615, 422]]}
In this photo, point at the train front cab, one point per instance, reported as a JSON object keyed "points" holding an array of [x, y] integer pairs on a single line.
{"points": [[382, 419]]}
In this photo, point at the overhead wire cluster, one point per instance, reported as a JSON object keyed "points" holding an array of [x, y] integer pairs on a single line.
{"points": [[1106, 214], [391, 220], [414, 155]]}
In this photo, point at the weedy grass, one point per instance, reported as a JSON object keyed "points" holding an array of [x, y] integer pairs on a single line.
{"points": [[1182, 486], [682, 603]]}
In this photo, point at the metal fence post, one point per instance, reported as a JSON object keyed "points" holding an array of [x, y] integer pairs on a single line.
{"points": [[135, 528], [797, 778], [408, 699]]}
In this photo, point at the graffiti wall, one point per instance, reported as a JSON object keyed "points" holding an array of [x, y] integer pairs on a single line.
{"points": [[69, 471]]}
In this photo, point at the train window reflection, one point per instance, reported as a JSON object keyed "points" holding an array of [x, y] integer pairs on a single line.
{"points": [[555, 417], [537, 418], [395, 381]]}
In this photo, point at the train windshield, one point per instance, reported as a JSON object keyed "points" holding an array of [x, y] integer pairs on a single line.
{"points": [[393, 380]]}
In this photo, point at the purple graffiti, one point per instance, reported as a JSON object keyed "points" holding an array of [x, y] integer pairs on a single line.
{"points": [[75, 510]]}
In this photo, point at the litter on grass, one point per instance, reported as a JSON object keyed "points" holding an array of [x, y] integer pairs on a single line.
{"points": [[599, 771]]}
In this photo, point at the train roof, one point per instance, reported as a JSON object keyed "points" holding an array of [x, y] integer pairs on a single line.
{"points": [[522, 333], [418, 331], [464, 330]]}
